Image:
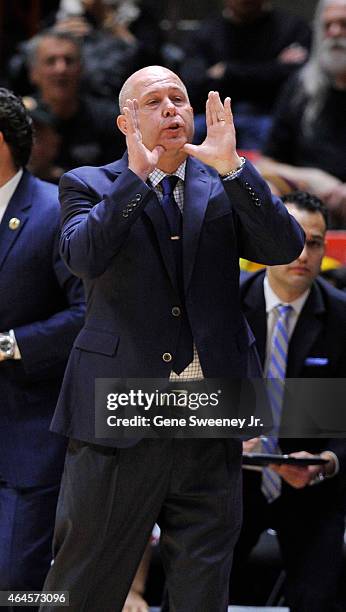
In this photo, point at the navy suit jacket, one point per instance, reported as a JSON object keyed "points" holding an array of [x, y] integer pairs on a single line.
{"points": [[115, 237], [44, 304], [320, 332]]}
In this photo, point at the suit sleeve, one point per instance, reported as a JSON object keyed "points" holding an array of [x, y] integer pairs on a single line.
{"points": [[266, 232], [93, 231], [338, 445], [45, 345]]}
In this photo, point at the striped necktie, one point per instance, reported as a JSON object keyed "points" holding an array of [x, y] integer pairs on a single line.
{"points": [[271, 482]]}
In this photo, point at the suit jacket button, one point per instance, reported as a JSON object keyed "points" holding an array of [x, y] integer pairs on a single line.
{"points": [[14, 223], [125, 214], [176, 312], [167, 357], [138, 197]]}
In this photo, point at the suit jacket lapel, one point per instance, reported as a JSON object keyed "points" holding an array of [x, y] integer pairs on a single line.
{"points": [[255, 311], [157, 217], [19, 208], [309, 326], [196, 198]]}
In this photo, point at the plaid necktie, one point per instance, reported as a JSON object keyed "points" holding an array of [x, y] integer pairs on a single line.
{"points": [[271, 482]]}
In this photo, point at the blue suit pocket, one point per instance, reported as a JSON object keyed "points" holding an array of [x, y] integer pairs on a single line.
{"points": [[316, 361], [96, 341]]}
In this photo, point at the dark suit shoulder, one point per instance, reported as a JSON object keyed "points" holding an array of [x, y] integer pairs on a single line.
{"points": [[251, 281], [93, 175], [332, 292], [334, 299], [42, 195], [42, 187]]}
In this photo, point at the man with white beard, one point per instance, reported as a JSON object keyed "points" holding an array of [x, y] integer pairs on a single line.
{"points": [[308, 140]]}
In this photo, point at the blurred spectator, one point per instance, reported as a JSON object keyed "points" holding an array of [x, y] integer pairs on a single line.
{"points": [[85, 124], [46, 142], [307, 143], [247, 52], [118, 38]]}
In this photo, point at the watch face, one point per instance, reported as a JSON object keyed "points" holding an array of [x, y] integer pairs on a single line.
{"points": [[6, 345]]}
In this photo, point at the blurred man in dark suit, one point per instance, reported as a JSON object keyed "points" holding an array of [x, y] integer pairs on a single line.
{"points": [[303, 504], [41, 311]]}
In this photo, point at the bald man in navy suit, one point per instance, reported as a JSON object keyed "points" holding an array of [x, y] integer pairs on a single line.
{"points": [[156, 236]]}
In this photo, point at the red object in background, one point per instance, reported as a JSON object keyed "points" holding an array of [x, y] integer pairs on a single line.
{"points": [[250, 154], [336, 245]]}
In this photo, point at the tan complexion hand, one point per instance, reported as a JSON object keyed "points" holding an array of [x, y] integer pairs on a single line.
{"points": [[142, 161], [219, 148], [300, 477]]}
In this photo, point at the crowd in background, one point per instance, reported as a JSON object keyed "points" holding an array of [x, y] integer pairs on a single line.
{"points": [[286, 78], [288, 97]]}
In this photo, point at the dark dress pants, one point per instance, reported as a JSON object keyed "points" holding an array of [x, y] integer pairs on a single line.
{"points": [[310, 528], [109, 502], [26, 530]]}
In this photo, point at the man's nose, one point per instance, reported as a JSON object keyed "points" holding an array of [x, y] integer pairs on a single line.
{"points": [[304, 254], [169, 109], [60, 64], [334, 30]]}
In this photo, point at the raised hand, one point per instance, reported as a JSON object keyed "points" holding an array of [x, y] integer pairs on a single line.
{"points": [[219, 148], [141, 160]]}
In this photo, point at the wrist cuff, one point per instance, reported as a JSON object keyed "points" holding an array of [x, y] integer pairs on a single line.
{"points": [[232, 174]]}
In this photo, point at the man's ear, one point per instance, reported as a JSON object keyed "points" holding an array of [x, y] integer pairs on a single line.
{"points": [[122, 124]]}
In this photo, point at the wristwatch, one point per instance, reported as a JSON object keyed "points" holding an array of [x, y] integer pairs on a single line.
{"points": [[7, 345]]}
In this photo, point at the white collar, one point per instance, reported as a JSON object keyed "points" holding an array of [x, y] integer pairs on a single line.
{"points": [[272, 300], [7, 191]]}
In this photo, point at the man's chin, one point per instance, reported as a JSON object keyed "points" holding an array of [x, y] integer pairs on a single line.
{"points": [[300, 281], [334, 62], [174, 144]]}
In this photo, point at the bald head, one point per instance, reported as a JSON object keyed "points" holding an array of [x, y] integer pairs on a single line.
{"points": [[159, 108], [139, 80]]}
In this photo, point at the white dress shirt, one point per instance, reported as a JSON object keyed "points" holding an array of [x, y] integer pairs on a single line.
{"points": [[6, 193], [271, 301]]}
